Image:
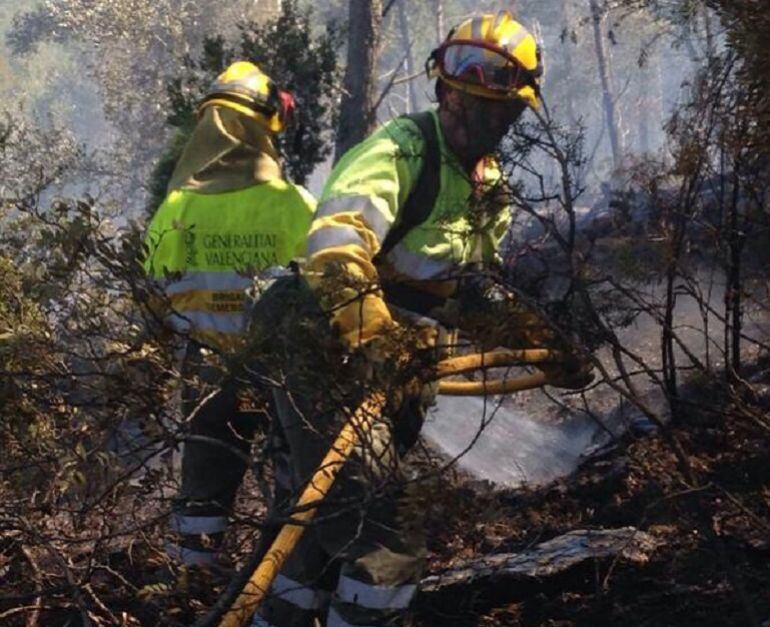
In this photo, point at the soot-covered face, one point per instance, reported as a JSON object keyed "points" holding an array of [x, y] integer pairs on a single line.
{"points": [[474, 126]]}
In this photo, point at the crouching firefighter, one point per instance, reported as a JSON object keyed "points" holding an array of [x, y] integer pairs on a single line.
{"points": [[407, 220], [228, 212]]}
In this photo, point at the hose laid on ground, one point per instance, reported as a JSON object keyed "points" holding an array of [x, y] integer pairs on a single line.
{"points": [[360, 422]]}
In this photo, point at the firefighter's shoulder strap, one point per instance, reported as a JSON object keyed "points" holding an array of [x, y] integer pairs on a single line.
{"points": [[423, 196]]}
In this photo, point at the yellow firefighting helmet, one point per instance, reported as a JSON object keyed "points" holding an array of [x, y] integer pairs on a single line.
{"points": [[492, 56], [246, 89]]}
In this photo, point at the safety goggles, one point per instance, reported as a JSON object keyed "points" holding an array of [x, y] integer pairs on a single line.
{"points": [[485, 65]]}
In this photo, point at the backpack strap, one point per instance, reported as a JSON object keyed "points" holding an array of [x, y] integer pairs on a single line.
{"points": [[422, 198]]}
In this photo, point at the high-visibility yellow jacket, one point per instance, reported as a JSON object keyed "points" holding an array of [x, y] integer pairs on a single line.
{"points": [[361, 203], [204, 247]]}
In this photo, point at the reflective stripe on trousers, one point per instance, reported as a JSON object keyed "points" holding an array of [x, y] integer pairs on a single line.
{"points": [[304, 597], [286, 590], [190, 557], [198, 525], [374, 597]]}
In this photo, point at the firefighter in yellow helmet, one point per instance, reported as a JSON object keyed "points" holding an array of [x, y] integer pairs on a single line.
{"points": [[490, 56], [228, 214], [407, 221]]}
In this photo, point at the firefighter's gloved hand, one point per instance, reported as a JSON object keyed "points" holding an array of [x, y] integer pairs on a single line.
{"points": [[494, 316], [376, 352], [389, 364], [375, 363], [572, 373], [378, 363]]}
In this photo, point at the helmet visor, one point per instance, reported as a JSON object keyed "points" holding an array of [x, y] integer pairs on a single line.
{"points": [[485, 65]]}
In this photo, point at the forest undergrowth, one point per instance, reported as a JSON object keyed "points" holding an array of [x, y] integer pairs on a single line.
{"points": [[710, 566]]}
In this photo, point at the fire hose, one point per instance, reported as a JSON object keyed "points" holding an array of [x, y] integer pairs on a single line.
{"points": [[350, 435]]}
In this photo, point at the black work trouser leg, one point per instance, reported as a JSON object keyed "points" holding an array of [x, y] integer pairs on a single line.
{"points": [[214, 461], [370, 523]]}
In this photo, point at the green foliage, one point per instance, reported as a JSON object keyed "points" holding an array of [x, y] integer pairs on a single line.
{"points": [[20, 319], [23, 338], [307, 67], [287, 49], [747, 23]]}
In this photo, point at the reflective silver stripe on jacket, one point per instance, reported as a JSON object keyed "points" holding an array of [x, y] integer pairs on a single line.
{"points": [[191, 525], [230, 323], [418, 266], [331, 236], [375, 218], [295, 593], [206, 281], [375, 597]]}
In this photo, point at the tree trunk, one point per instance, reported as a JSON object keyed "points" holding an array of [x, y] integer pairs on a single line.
{"points": [[611, 113], [645, 124], [734, 287], [708, 27], [403, 23], [357, 114], [651, 105], [569, 48], [439, 20]]}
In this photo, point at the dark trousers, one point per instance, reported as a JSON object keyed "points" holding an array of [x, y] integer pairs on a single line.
{"points": [[224, 416]]}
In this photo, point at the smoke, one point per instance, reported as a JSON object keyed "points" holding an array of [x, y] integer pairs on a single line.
{"points": [[508, 446], [546, 436]]}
